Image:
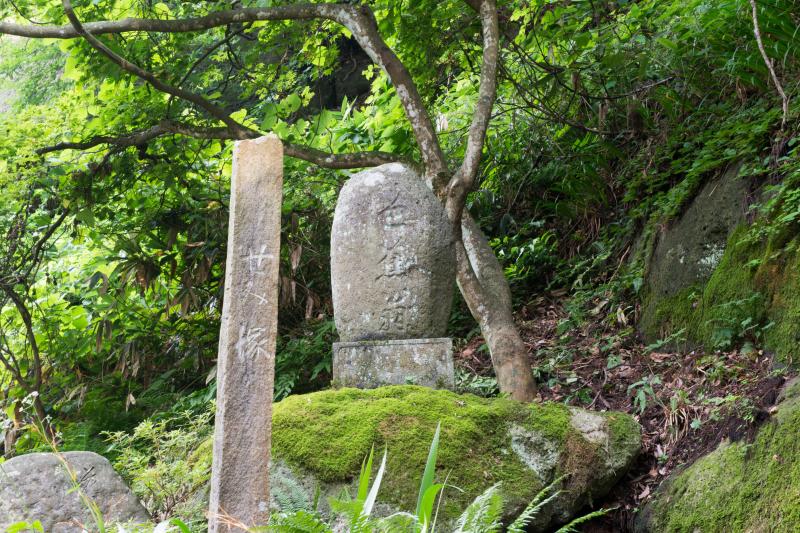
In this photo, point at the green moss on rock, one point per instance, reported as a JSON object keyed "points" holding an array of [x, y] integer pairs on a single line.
{"points": [[483, 441], [753, 292], [740, 486]]}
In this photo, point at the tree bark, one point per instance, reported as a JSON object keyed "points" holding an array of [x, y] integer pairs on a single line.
{"points": [[480, 275], [490, 303]]}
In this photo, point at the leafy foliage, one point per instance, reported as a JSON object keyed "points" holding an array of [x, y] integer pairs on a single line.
{"points": [[167, 463], [610, 117]]}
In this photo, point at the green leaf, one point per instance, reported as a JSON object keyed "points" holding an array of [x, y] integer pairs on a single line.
{"points": [[373, 493], [180, 525], [363, 478], [10, 411], [21, 527], [430, 467], [291, 103]]}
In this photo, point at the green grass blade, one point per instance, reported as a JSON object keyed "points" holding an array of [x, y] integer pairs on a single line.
{"points": [[363, 478], [428, 500], [373, 492], [430, 467]]}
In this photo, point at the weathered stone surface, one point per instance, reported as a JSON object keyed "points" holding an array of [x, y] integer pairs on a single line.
{"points": [[321, 439], [686, 253], [743, 486], [245, 367], [36, 486], [370, 364], [392, 258]]}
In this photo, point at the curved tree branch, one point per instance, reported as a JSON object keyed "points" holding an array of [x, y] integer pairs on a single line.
{"points": [[485, 289], [359, 20], [464, 178], [212, 109], [166, 127], [365, 30]]}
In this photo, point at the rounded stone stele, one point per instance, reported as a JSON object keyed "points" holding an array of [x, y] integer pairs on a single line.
{"points": [[392, 258]]}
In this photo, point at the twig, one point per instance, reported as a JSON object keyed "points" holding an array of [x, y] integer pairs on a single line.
{"points": [[770, 67]]}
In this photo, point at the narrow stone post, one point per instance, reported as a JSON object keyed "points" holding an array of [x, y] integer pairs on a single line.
{"points": [[246, 361]]}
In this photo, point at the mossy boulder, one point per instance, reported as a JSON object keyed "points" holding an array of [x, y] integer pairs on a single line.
{"points": [[723, 282], [741, 486], [753, 295], [321, 439], [686, 251]]}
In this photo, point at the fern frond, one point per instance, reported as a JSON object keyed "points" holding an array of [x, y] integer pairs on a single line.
{"points": [[572, 526], [537, 504], [298, 522], [530, 512], [484, 514]]}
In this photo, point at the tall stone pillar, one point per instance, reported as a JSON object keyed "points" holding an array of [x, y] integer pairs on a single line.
{"points": [[392, 275], [246, 362]]}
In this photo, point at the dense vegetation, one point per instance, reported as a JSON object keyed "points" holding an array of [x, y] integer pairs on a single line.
{"points": [[610, 116]]}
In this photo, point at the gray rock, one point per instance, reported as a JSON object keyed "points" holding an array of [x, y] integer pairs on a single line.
{"points": [[36, 487], [392, 258], [686, 252], [369, 364]]}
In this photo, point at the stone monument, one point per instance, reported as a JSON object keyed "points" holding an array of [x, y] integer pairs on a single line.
{"points": [[246, 362], [392, 275]]}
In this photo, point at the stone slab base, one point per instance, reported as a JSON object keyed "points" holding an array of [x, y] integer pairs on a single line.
{"points": [[370, 364]]}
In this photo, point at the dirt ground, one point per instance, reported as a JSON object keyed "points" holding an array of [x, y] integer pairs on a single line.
{"points": [[686, 401]]}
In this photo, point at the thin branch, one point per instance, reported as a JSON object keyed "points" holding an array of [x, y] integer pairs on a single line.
{"points": [[13, 369], [124, 141], [31, 259], [29, 333], [165, 127], [207, 53], [463, 180], [342, 161], [768, 61], [207, 22], [212, 109]]}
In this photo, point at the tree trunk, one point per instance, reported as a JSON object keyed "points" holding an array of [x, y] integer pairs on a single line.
{"points": [[490, 304]]}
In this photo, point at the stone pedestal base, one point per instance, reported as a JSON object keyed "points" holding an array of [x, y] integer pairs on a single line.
{"points": [[370, 364]]}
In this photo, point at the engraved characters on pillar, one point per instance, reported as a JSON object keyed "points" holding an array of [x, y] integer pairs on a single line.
{"points": [[255, 263], [397, 261]]}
